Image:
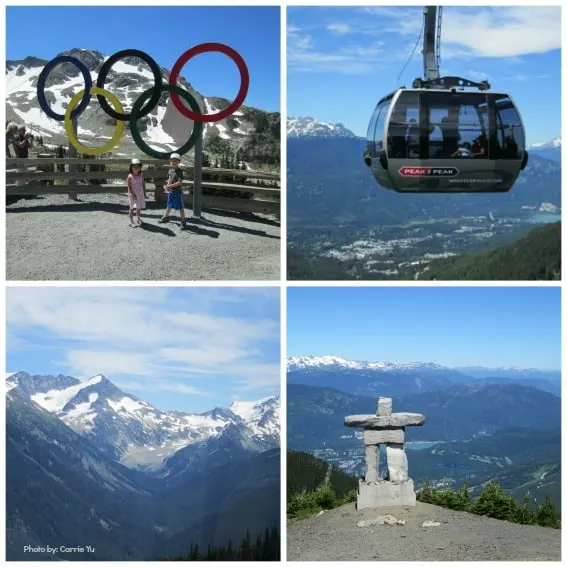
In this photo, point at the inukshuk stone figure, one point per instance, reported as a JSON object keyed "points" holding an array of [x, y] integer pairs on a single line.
{"points": [[385, 428]]}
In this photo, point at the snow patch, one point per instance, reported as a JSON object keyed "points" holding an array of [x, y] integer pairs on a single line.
{"points": [[125, 404], [55, 400]]}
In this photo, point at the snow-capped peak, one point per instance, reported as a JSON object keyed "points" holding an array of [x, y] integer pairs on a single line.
{"points": [[310, 127], [55, 400], [555, 143], [250, 411], [131, 430], [333, 362]]}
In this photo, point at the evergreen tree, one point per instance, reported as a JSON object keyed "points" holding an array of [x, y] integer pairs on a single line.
{"points": [[546, 514]]}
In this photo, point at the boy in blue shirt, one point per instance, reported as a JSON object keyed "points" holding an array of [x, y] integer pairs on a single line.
{"points": [[174, 190]]}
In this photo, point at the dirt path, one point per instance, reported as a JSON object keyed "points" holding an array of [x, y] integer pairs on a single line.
{"points": [[465, 537], [54, 238]]}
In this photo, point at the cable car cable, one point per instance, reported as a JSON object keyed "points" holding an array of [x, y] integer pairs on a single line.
{"points": [[412, 54]]}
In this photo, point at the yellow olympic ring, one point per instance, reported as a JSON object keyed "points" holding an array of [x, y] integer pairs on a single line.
{"points": [[69, 123]]}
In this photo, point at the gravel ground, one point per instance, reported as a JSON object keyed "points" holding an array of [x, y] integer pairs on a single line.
{"points": [[334, 536], [54, 238]]}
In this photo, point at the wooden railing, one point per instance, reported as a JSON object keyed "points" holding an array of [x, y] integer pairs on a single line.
{"points": [[227, 189]]}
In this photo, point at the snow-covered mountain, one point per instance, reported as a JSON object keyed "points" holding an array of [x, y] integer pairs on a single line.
{"points": [[310, 128], [554, 143], [134, 432], [164, 128], [550, 150], [336, 362], [330, 362], [366, 378]]}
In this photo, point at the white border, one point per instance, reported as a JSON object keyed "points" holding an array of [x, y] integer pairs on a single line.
{"points": [[283, 284]]}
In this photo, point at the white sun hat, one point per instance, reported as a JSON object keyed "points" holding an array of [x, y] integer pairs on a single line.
{"points": [[136, 161], [175, 156]]}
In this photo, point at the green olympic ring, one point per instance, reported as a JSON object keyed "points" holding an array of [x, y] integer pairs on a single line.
{"points": [[197, 126]]}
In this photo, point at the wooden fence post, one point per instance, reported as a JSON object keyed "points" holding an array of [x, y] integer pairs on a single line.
{"points": [[159, 181]]}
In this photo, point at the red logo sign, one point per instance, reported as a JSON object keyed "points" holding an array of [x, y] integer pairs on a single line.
{"points": [[418, 171]]}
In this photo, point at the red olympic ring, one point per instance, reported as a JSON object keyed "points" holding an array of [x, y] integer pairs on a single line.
{"points": [[242, 92]]}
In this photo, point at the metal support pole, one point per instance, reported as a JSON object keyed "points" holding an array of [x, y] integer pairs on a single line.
{"points": [[73, 154], [198, 176]]}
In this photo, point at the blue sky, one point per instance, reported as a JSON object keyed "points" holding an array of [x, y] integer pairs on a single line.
{"points": [[453, 326], [341, 61], [164, 33], [189, 349]]}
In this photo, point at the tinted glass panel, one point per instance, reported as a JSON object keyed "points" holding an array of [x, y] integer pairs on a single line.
{"points": [[380, 123], [509, 131], [403, 127], [372, 125], [458, 125]]}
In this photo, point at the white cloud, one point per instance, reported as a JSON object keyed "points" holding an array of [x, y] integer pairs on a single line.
{"points": [[351, 59], [527, 78], [184, 389], [484, 32], [503, 31], [467, 34], [133, 333], [339, 28]]}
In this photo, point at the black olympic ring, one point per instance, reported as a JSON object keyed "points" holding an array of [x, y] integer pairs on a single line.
{"points": [[102, 74]]}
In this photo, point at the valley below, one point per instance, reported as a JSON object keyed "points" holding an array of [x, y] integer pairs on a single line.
{"points": [[405, 250], [342, 225]]}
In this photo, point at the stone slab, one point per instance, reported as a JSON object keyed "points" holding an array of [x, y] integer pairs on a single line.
{"points": [[371, 464], [397, 463], [384, 407], [374, 437], [401, 419], [382, 494]]}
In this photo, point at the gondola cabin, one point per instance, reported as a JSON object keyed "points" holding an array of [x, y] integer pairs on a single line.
{"points": [[446, 141]]}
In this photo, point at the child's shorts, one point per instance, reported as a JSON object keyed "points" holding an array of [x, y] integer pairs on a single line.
{"points": [[175, 201]]}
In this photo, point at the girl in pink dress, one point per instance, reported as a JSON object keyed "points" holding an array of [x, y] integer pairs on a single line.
{"points": [[136, 191]]}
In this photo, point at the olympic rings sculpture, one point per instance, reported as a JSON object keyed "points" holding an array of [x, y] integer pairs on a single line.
{"points": [[141, 108]]}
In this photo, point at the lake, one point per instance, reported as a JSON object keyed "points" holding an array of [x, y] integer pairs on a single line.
{"points": [[544, 218], [419, 445]]}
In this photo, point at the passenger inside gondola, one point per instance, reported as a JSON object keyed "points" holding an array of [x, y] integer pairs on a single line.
{"points": [[510, 145], [480, 147], [464, 151], [451, 137]]}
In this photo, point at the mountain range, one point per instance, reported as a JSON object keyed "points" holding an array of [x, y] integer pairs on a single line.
{"points": [[250, 132], [87, 462], [549, 150], [388, 379], [311, 128]]}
